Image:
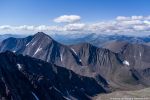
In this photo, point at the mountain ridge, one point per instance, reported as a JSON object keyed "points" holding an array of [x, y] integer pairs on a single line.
{"points": [[88, 60]]}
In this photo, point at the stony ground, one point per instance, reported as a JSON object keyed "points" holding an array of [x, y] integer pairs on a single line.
{"points": [[143, 94]]}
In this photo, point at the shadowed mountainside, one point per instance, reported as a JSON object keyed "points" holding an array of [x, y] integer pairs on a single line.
{"points": [[26, 78]]}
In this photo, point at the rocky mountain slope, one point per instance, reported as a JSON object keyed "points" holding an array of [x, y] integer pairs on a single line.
{"points": [[43, 47], [26, 78], [126, 69]]}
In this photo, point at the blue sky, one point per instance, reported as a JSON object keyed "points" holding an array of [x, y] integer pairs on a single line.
{"points": [[36, 12], [43, 12]]}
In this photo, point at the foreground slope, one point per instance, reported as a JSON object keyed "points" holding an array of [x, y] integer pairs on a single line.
{"points": [[142, 94], [25, 78]]}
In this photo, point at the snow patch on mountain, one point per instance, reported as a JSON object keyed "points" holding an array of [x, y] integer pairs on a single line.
{"points": [[39, 49], [125, 62], [74, 51], [140, 54], [27, 44], [80, 60], [19, 66]]}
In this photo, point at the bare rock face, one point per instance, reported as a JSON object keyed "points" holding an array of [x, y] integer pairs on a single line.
{"points": [[43, 47], [138, 58], [107, 64], [25, 78], [115, 46]]}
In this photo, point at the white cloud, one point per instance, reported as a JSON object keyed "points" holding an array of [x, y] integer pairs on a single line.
{"points": [[74, 27], [122, 18], [120, 24], [137, 17], [67, 19], [5, 27]]}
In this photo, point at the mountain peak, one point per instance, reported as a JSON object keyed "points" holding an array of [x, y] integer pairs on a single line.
{"points": [[41, 34]]}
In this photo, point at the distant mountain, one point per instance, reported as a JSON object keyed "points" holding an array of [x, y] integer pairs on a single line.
{"points": [[103, 40], [113, 70], [5, 36], [69, 39], [26, 78], [99, 40]]}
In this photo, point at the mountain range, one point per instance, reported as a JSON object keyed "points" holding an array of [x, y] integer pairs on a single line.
{"points": [[5, 36], [101, 67], [99, 40]]}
